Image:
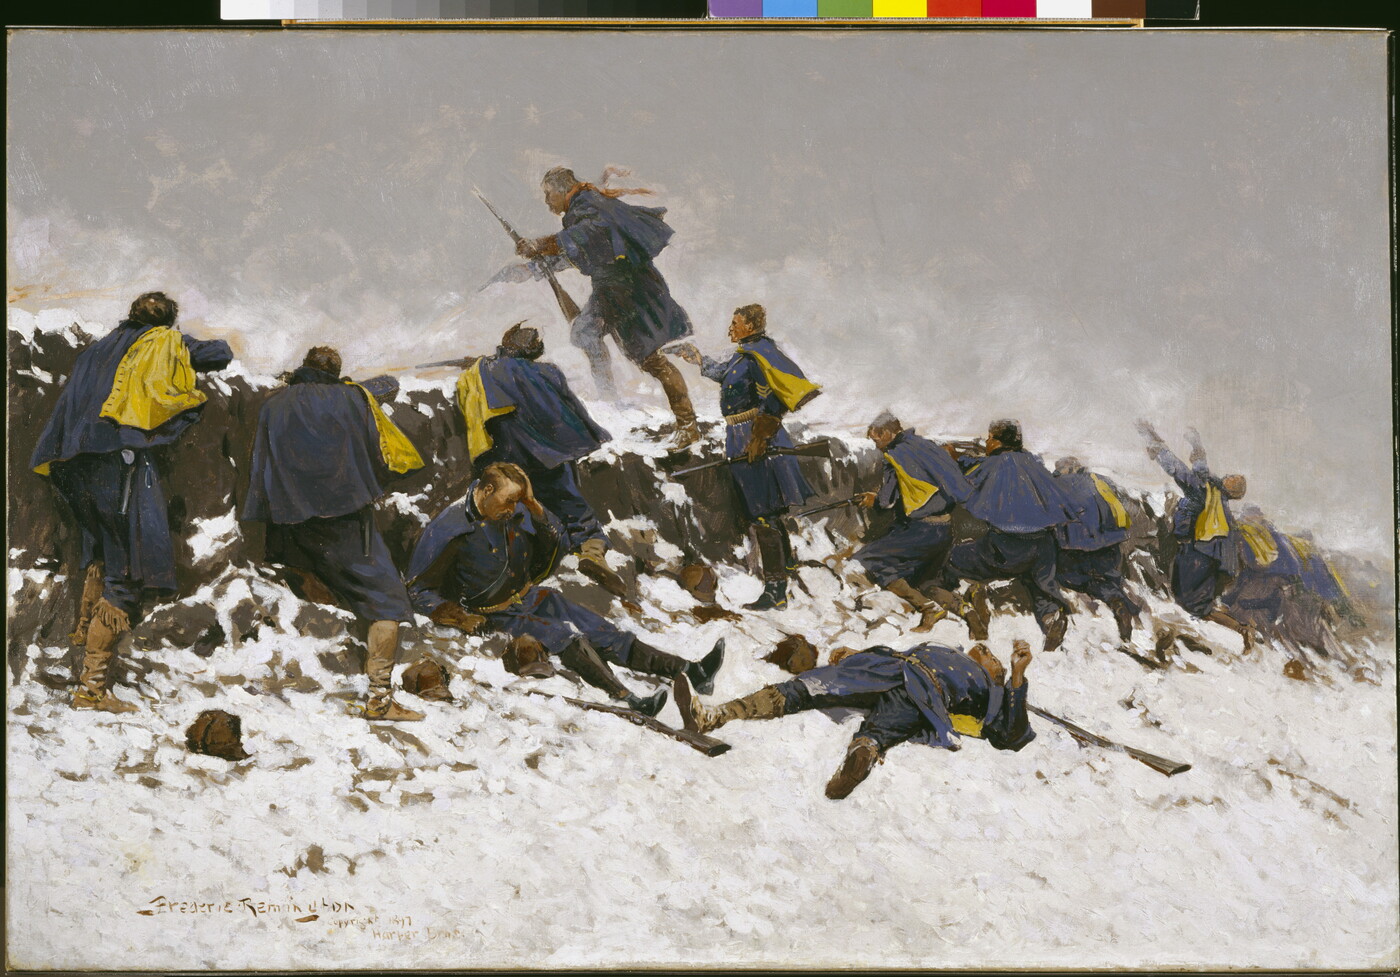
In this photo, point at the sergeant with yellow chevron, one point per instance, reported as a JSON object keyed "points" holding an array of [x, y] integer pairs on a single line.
{"points": [[759, 385], [323, 452], [922, 484], [131, 393], [1091, 551], [519, 409], [1207, 555]]}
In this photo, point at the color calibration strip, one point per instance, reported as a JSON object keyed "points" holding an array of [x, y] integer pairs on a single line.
{"points": [[987, 11]]}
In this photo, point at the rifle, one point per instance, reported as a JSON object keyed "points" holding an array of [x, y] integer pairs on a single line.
{"points": [[696, 741], [973, 447], [826, 508], [814, 449], [566, 303], [1161, 764], [463, 362]]}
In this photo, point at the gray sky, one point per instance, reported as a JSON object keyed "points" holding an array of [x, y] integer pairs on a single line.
{"points": [[1076, 228]]}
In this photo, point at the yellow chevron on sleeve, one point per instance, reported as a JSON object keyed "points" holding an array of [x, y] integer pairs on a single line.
{"points": [[915, 492], [471, 399], [154, 381], [1120, 514], [1211, 523], [1261, 542], [793, 391], [398, 452]]}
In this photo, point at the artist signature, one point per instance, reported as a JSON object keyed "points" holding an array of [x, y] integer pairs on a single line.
{"points": [[303, 911]]}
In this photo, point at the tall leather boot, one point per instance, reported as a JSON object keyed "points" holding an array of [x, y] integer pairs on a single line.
{"points": [[654, 661], [107, 625], [978, 613], [87, 600], [766, 703], [861, 757], [930, 612], [582, 657], [771, 542], [383, 642], [593, 564], [677, 395], [1246, 633]]}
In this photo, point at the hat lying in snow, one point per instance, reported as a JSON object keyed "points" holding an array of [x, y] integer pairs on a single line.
{"points": [[427, 679], [794, 653], [526, 657], [217, 733], [700, 582]]}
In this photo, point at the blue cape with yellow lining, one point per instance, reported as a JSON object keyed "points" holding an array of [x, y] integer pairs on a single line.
{"points": [[321, 451], [1103, 519], [1013, 492], [782, 377], [522, 410], [926, 479], [78, 426]]}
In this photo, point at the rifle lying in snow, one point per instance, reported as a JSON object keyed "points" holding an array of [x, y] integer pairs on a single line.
{"points": [[696, 741], [813, 449], [1161, 764], [566, 303]]}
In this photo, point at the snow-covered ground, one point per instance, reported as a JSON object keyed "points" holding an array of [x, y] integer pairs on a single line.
{"points": [[510, 829]]}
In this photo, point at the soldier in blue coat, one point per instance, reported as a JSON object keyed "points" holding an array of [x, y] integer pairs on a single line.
{"points": [[479, 564], [614, 244], [1091, 547], [131, 393], [1207, 555], [759, 385], [922, 484], [322, 455], [521, 410], [1021, 503], [929, 694]]}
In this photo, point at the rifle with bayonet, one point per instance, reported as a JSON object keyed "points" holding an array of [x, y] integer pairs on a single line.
{"points": [[853, 500], [813, 449], [566, 303]]}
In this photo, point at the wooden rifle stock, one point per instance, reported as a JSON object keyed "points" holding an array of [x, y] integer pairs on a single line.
{"points": [[813, 449], [1162, 765]]}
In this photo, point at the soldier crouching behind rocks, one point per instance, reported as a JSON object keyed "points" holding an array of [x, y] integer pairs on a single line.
{"points": [[131, 393], [478, 565], [321, 457]]}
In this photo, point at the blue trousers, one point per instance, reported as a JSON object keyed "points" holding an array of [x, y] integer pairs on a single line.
{"points": [[1027, 557], [558, 491], [912, 550], [1098, 573], [893, 718], [364, 579], [1195, 580], [135, 547], [554, 622]]}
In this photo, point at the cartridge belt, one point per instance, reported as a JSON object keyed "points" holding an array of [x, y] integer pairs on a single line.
{"points": [[741, 418]]}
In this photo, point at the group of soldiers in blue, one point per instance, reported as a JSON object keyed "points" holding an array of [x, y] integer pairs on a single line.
{"points": [[325, 452]]}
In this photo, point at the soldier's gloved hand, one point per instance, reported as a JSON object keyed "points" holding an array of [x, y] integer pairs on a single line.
{"points": [[866, 500], [686, 352], [764, 427], [450, 615]]}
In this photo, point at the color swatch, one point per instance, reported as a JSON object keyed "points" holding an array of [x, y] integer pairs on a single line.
{"points": [[989, 11]]}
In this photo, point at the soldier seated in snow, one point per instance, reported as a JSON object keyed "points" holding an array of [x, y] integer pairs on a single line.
{"points": [[131, 393], [521, 410], [928, 694], [478, 565], [323, 452], [922, 484]]}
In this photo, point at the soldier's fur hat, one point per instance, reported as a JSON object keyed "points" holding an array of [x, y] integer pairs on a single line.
{"points": [[794, 654], [217, 733], [526, 657], [427, 679]]}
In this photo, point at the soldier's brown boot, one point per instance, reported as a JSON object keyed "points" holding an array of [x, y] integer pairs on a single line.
{"points": [[766, 703], [379, 664], [930, 612], [677, 396], [87, 600], [861, 757], [977, 612], [593, 564], [106, 627]]}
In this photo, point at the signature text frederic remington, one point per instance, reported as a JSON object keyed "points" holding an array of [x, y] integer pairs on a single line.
{"points": [[308, 910]]}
